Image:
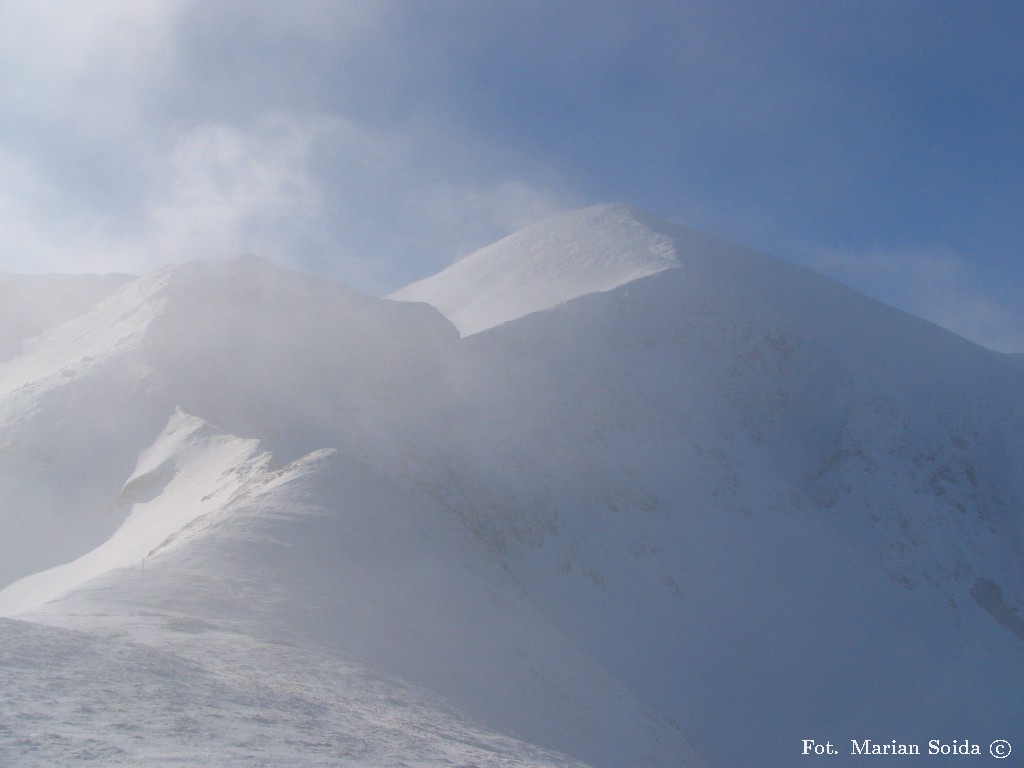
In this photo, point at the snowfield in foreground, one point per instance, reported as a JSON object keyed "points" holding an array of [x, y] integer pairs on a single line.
{"points": [[199, 696]]}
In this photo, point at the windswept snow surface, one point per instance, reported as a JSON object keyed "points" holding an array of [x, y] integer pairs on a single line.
{"points": [[203, 697], [674, 489], [595, 249]]}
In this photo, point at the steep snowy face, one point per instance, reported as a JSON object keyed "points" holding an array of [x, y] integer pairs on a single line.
{"points": [[796, 481], [819, 392], [595, 249]]}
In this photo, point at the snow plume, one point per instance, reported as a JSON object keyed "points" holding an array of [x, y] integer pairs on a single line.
{"points": [[231, 191]]}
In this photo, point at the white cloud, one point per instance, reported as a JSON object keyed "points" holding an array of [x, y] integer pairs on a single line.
{"points": [[312, 191]]}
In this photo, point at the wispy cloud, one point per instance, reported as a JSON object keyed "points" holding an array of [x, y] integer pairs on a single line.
{"points": [[216, 191], [229, 190]]}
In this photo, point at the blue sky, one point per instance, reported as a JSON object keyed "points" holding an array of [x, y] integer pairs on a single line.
{"points": [[375, 142]]}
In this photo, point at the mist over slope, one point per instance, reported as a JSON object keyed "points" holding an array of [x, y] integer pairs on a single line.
{"points": [[298, 362], [31, 304], [663, 489]]}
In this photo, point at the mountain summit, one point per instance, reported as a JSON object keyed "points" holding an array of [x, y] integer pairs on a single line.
{"points": [[594, 249]]}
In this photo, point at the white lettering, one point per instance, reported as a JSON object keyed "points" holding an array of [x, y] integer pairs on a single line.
{"points": [[868, 747], [812, 747], [956, 747]]}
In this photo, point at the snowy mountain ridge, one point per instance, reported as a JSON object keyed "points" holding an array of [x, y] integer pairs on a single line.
{"points": [[677, 490], [595, 249], [188, 455]]}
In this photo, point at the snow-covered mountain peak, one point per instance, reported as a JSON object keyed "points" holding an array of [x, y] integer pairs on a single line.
{"points": [[585, 251]]}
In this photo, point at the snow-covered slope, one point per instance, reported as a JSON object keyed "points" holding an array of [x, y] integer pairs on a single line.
{"points": [[595, 249], [669, 489], [205, 698], [750, 463], [31, 304]]}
